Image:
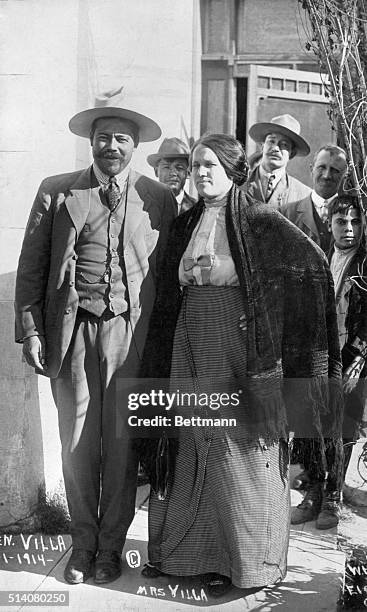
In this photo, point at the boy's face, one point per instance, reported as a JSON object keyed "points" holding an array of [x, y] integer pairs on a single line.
{"points": [[346, 228]]}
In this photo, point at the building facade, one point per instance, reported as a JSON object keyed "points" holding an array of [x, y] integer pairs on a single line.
{"points": [[255, 66]]}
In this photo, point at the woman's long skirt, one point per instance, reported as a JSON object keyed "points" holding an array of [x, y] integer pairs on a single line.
{"points": [[227, 508]]}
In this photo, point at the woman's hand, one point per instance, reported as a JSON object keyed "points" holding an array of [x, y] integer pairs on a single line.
{"points": [[243, 323]]}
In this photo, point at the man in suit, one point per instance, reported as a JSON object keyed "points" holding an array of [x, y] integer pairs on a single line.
{"points": [[310, 213], [280, 141], [84, 293], [171, 167]]}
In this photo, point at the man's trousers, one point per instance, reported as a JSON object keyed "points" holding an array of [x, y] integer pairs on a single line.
{"points": [[98, 458]]}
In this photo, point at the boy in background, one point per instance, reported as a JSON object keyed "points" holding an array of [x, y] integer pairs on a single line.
{"points": [[349, 269], [348, 266]]}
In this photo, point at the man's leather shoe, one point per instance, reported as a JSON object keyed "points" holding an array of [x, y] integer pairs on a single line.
{"points": [[310, 507], [79, 567], [330, 512], [108, 566]]}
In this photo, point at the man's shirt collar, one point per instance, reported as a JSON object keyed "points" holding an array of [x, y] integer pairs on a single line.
{"points": [[180, 197], [277, 172], [319, 201], [103, 178]]}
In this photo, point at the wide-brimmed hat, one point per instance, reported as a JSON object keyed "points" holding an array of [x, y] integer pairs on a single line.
{"points": [[170, 148], [112, 104], [285, 124]]}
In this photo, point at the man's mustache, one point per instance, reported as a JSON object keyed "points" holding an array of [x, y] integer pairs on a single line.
{"points": [[109, 155]]}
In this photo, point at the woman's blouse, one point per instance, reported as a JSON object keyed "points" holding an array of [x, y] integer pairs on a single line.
{"points": [[207, 259]]}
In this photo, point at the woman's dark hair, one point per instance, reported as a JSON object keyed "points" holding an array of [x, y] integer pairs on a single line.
{"points": [[230, 153]]}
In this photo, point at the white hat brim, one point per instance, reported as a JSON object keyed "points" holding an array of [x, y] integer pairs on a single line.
{"points": [[82, 122], [259, 131]]}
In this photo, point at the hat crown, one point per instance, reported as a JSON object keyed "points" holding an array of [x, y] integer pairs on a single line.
{"points": [[173, 146], [113, 98], [287, 121]]}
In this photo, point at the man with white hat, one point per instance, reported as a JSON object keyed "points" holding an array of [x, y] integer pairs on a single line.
{"points": [[280, 141], [171, 167], [84, 294]]}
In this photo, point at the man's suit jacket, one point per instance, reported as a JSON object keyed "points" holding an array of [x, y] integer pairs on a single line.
{"points": [[301, 214], [46, 300], [287, 190]]}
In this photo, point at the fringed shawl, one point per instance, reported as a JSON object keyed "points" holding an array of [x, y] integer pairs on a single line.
{"points": [[293, 359]]}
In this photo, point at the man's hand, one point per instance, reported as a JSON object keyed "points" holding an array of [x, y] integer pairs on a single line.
{"points": [[34, 352], [352, 373]]}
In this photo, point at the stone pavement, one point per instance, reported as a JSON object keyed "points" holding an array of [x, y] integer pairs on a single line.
{"points": [[35, 564]]}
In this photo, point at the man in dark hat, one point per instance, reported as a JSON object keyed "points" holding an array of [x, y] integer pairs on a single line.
{"points": [[84, 294], [280, 141], [171, 167]]}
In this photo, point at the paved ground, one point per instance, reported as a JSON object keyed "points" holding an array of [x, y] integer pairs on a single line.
{"points": [[312, 584], [316, 564]]}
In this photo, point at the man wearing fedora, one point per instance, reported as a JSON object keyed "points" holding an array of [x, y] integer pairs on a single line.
{"points": [[280, 141], [84, 294], [171, 167]]}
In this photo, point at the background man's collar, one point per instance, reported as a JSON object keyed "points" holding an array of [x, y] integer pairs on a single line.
{"points": [[319, 200], [180, 197], [277, 172]]}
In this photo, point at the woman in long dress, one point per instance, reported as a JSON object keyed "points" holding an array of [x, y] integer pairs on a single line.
{"points": [[241, 293]]}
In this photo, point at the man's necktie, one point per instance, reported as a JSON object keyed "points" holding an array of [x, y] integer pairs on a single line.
{"points": [[322, 210], [269, 189], [113, 193]]}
